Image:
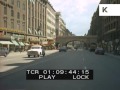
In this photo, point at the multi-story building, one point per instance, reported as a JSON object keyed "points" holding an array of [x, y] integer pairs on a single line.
{"points": [[96, 26], [107, 28], [12, 23], [60, 25], [50, 24], [36, 21], [111, 31], [28, 22]]}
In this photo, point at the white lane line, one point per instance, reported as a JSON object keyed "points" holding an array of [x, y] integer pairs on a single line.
{"points": [[84, 63]]}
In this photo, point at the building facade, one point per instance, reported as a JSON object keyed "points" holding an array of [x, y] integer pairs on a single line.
{"points": [[36, 21], [107, 28], [28, 22], [12, 23], [50, 25], [61, 29], [111, 31]]}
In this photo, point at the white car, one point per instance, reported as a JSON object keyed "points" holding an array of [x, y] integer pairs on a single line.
{"points": [[36, 50]]}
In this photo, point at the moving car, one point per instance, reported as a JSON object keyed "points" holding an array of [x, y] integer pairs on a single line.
{"points": [[92, 47], [99, 50], [63, 48], [4, 51], [36, 50]]}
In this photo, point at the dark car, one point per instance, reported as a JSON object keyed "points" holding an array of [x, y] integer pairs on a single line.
{"points": [[63, 48], [3, 51], [99, 50], [92, 47]]}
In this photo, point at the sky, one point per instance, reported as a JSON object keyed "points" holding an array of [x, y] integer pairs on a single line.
{"points": [[77, 14]]}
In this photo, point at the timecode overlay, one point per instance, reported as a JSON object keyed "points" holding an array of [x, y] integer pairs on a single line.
{"points": [[59, 74]]}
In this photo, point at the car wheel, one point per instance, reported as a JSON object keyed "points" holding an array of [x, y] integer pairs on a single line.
{"points": [[38, 55], [34, 56], [43, 54], [28, 55]]}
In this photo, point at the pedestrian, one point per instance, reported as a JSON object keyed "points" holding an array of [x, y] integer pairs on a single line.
{"points": [[20, 49]]}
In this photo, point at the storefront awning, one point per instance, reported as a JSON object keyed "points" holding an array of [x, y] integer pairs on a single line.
{"points": [[21, 44], [26, 43], [16, 44], [5, 42]]}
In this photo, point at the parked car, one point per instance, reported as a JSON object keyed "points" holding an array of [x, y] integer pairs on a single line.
{"points": [[36, 50], [4, 51], [99, 50], [63, 48]]}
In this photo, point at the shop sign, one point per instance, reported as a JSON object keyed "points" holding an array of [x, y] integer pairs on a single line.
{"points": [[18, 36]]}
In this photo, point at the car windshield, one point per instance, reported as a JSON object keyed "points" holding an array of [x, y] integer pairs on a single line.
{"points": [[99, 48], [35, 47]]}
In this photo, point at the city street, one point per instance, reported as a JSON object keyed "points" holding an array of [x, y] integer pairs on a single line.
{"points": [[106, 73]]}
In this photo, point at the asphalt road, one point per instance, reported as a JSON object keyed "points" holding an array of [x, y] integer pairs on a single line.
{"points": [[106, 72]]}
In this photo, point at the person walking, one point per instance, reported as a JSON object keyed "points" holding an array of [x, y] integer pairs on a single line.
{"points": [[20, 49]]}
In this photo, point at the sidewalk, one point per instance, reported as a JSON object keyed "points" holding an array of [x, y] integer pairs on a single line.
{"points": [[112, 55], [25, 52], [16, 53], [10, 62]]}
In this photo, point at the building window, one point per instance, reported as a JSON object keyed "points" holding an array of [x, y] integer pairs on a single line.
{"points": [[23, 6], [5, 23], [12, 25], [5, 10], [29, 22], [18, 3], [12, 2], [23, 17], [12, 13], [18, 15], [23, 26], [29, 11], [18, 25]]}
